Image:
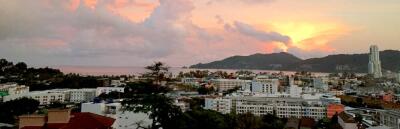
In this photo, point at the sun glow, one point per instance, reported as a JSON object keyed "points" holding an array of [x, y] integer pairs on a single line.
{"points": [[308, 35]]}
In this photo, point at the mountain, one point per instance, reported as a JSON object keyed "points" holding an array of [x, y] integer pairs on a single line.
{"points": [[390, 60], [255, 61]]}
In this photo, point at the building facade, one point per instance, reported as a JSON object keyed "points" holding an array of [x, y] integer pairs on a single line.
{"points": [[227, 84], [82, 95], [106, 90], [374, 65]]}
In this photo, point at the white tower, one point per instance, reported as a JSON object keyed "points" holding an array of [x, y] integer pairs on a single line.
{"points": [[374, 65]]}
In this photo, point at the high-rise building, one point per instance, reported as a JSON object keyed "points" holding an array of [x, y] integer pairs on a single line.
{"points": [[374, 65]]}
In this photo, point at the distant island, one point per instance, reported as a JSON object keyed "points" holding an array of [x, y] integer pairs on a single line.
{"points": [[285, 61]]}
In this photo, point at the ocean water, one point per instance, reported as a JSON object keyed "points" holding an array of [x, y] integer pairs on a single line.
{"points": [[108, 70]]}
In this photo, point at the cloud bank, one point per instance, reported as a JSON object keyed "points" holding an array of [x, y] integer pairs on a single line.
{"points": [[99, 32]]}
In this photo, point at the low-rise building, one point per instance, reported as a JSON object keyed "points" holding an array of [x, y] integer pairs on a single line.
{"points": [[123, 119], [106, 90], [390, 118], [222, 105], [13, 88], [82, 95], [267, 86], [336, 92], [227, 84], [283, 107], [64, 119], [44, 97]]}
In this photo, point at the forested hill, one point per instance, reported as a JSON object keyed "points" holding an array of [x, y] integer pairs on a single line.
{"points": [[255, 61], [390, 60]]}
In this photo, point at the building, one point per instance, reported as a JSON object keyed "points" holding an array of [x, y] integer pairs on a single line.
{"points": [[82, 95], [106, 90], [123, 119], [329, 99], [318, 83], [13, 88], [283, 107], [374, 65], [222, 105], [398, 77], [63, 119], [336, 92], [267, 86], [332, 109], [390, 118], [44, 97], [192, 81], [227, 84], [347, 121], [295, 91]]}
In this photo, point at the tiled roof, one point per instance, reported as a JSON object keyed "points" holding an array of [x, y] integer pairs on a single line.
{"points": [[80, 121], [89, 121]]}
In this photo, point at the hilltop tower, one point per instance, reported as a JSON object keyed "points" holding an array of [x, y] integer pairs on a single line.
{"points": [[374, 65]]}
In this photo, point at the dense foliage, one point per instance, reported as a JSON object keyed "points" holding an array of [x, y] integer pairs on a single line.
{"points": [[10, 110], [43, 78]]}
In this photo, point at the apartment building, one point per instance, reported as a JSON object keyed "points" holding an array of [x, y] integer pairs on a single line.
{"points": [[283, 107], [106, 90], [268, 86], [82, 95], [227, 84], [44, 97], [13, 88], [390, 118], [218, 104]]}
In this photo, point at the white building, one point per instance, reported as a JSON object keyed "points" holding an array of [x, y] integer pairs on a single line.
{"points": [[227, 84], [318, 83], [336, 92], [106, 90], [222, 105], [123, 119], [398, 77], [13, 88], [44, 97], [268, 86], [374, 65], [82, 95], [284, 107], [295, 91], [390, 118]]}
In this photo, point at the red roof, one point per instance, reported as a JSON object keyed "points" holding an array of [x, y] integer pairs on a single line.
{"points": [[89, 121], [32, 127], [80, 121]]}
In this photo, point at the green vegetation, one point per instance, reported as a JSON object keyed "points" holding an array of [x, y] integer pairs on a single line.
{"points": [[43, 78], [10, 110]]}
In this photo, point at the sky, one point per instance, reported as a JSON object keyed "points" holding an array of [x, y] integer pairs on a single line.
{"points": [[186, 32]]}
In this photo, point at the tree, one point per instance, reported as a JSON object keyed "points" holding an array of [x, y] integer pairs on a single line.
{"points": [[205, 90], [149, 97], [11, 109], [157, 72], [249, 121]]}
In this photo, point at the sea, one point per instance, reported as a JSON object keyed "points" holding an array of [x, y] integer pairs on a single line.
{"points": [[111, 70]]}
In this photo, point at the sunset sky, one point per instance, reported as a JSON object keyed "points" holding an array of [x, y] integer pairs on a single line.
{"points": [[185, 32]]}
